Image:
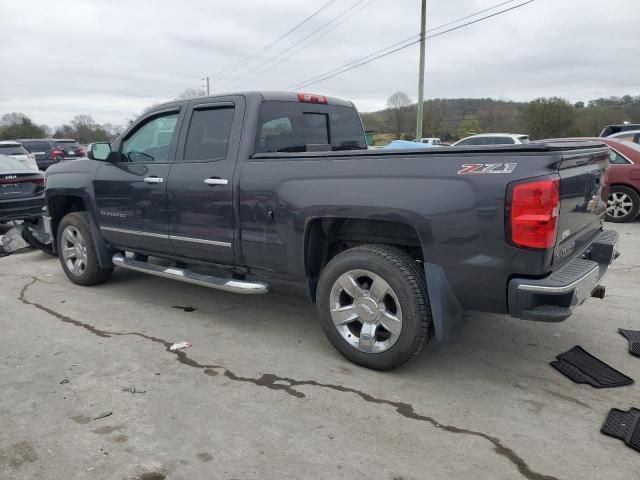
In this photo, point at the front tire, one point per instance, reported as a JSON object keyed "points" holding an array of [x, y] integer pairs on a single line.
{"points": [[374, 307], [77, 252], [623, 204]]}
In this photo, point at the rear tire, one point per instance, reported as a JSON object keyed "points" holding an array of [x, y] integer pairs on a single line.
{"points": [[77, 252], [623, 204], [374, 308]]}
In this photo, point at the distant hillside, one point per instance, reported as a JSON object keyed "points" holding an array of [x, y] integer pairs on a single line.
{"points": [[450, 119]]}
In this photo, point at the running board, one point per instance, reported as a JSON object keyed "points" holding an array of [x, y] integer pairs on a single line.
{"points": [[187, 276]]}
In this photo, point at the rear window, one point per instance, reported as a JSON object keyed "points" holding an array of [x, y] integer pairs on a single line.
{"points": [[13, 150], [296, 127], [67, 145], [498, 141], [524, 139], [40, 146]]}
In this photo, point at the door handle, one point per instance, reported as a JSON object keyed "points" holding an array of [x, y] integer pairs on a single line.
{"points": [[153, 180], [216, 181]]}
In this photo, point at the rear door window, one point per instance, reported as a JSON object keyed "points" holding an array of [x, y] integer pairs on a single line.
{"points": [[293, 127], [208, 135]]}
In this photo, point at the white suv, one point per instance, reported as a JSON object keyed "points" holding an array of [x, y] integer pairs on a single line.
{"points": [[493, 139]]}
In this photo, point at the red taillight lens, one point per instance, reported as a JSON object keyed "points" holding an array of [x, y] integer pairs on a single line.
{"points": [[311, 98], [57, 154], [534, 213]]}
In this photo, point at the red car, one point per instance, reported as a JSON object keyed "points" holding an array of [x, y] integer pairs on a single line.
{"points": [[623, 179]]}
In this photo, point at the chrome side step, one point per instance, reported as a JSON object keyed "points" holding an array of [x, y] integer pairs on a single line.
{"points": [[187, 276]]}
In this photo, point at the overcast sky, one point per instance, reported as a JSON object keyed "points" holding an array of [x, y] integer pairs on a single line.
{"points": [[113, 59]]}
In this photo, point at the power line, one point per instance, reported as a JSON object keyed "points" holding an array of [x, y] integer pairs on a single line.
{"points": [[475, 14], [361, 61], [412, 37], [172, 86], [305, 45], [344, 12], [260, 51]]}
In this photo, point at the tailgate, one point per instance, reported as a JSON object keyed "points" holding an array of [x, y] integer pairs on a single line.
{"points": [[583, 195]]}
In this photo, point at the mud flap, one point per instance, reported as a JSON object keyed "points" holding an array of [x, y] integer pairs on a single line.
{"points": [[446, 311]]}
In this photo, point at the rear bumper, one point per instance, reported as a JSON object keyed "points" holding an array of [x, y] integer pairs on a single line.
{"points": [[553, 298], [21, 208]]}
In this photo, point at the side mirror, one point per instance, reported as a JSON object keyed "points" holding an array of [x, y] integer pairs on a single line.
{"points": [[99, 151]]}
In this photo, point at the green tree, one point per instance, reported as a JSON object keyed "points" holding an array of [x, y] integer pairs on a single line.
{"points": [[17, 125], [470, 126], [549, 118]]}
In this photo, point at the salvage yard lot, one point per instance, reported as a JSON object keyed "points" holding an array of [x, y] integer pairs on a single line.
{"points": [[261, 394]]}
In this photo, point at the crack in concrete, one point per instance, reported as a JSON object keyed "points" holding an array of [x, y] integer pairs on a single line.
{"points": [[285, 384]]}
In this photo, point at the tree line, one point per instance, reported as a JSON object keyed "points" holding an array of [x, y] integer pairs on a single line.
{"points": [[83, 128], [452, 119]]}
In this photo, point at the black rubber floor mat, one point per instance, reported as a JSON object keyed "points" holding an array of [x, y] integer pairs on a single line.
{"points": [[634, 340], [582, 367], [624, 425]]}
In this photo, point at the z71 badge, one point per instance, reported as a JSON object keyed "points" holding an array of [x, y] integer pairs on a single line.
{"points": [[469, 168]]}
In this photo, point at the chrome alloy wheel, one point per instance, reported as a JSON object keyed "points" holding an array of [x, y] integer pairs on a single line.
{"points": [[366, 311], [74, 250], [619, 205]]}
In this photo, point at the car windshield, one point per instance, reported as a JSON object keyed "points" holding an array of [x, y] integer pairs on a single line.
{"points": [[13, 149]]}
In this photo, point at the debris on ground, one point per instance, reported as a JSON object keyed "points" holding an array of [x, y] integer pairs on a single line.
{"points": [[185, 309], [102, 415], [12, 241], [179, 346], [66, 380], [132, 389]]}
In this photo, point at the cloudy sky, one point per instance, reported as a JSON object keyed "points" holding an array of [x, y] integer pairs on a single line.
{"points": [[113, 59]]}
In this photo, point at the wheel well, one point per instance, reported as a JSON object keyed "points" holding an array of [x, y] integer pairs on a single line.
{"points": [[59, 206], [625, 185], [327, 237]]}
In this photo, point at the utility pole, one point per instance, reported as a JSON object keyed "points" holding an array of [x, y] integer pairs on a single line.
{"points": [[423, 23], [207, 79]]}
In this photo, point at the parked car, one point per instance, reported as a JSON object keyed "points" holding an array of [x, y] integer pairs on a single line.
{"points": [[71, 149], [16, 151], [611, 129], [45, 150], [49, 151], [281, 186], [430, 140], [629, 135], [623, 178], [492, 139], [21, 191]]}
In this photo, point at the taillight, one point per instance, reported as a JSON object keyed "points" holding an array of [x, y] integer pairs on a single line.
{"points": [[534, 213], [311, 98], [57, 154]]}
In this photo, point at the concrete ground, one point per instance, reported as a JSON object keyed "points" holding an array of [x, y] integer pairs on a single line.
{"points": [[261, 394]]}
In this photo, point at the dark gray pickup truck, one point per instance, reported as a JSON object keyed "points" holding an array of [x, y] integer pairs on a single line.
{"points": [[236, 191]]}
